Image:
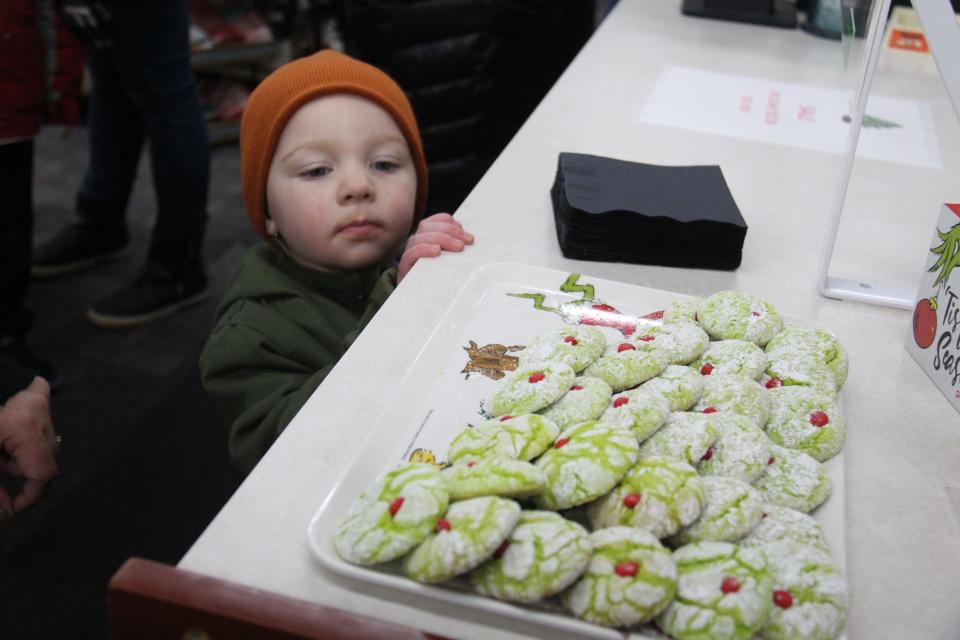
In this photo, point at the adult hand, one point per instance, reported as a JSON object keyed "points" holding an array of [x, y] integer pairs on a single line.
{"points": [[28, 445], [87, 20], [440, 232]]}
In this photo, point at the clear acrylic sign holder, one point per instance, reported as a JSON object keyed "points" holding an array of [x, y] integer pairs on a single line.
{"points": [[943, 37]]}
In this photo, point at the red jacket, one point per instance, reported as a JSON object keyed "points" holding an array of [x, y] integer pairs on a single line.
{"points": [[41, 66]]}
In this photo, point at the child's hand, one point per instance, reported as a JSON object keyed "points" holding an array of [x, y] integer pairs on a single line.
{"points": [[29, 445], [440, 232]]}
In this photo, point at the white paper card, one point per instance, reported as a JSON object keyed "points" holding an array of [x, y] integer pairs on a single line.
{"points": [[894, 129], [934, 339]]}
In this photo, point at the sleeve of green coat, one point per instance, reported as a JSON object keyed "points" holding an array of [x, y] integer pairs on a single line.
{"points": [[258, 386]]}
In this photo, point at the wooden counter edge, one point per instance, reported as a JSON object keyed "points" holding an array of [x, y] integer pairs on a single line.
{"points": [[147, 599]]}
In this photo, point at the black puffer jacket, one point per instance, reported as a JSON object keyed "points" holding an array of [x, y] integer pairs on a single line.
{"points": [[473, 70]]}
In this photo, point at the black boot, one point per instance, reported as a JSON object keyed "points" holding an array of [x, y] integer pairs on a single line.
{"points": [[172, 279]]}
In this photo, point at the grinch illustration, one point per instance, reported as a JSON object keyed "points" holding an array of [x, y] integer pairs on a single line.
{"points": [[490, 360], [425, 456], [948, 257], [588, 310]]}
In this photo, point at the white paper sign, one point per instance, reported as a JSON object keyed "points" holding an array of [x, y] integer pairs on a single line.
{"points": [[934, 340], [894, 130]]}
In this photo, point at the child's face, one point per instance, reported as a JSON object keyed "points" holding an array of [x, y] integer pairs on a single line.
{"points": [[342, 185]]}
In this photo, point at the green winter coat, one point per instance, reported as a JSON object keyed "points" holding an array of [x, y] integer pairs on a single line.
{"points": [[279, 330]]}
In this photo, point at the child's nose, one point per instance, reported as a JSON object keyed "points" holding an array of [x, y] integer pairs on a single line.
{"points": [[355, 186]]}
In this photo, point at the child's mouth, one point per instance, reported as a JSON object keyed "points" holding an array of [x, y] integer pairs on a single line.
{"points": [[360, 229]]}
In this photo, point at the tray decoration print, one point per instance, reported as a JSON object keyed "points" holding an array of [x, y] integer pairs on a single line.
{"points": [[723, 465]]}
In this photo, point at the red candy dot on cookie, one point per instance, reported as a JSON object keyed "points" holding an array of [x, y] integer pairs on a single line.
{"points": [[537, 377], [631, 500], [619, 402], [561, 442], [443, 525], [782, 599], [819, 419], [395, 506], [773, 383], [472, 464], [764, 515], [710, 410], [730, 585], [570, 340], [755, 314], [623, 346], [502, 549], [505, 418], [627, 569], [771, 460], [576, 387], [646, 338], [708, 454], [706, 369]]}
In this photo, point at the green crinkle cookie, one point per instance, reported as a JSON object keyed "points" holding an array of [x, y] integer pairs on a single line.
{"points": [[723, 593], [585, 462], [531, 388], [680, 342], [732, 315], [630, 579], [818, 343], [740, 451], [803, 370], [782, 525], [469, 532], [793, 479], [736, 394], [739, 357], [519, 437], [623, 366], [576, 347], [393, 516], [686, 436], [681, 386], [640, 410], [658, 495], [543, 556], [731, 509], [808, 420], [810, 598], [492, 477], [682, 310], [585, 401]]}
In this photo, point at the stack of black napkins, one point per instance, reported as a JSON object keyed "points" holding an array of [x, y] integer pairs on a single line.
{"points": [[616, 211]]}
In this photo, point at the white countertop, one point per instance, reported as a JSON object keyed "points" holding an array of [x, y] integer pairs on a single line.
{"points": [[903, 447]]}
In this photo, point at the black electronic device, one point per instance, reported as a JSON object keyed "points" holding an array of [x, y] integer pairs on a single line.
{"points": [[777, 13]]}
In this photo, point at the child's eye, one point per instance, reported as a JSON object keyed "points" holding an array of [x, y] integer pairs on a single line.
{"points": [[384, 165], [316, 172]]}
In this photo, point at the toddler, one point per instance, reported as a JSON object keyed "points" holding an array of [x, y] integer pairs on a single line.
{"points": [[335, 180]]}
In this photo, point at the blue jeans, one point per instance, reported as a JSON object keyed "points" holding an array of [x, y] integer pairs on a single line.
{"points": [[144, 89]]}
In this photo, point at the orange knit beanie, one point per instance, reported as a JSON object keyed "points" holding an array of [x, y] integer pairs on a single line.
{"points": [[280, 94]]}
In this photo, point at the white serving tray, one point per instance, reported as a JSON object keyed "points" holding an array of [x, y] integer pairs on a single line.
{"points": [[435, 400]]}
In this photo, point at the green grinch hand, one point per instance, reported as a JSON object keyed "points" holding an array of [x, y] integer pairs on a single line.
{"points": [[587, 310], [949, 252]]}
